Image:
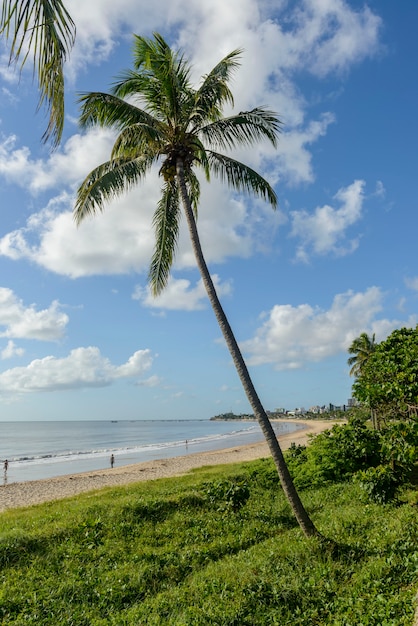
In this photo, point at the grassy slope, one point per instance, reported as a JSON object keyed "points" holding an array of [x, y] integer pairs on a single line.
{"points": [[171, 552]]}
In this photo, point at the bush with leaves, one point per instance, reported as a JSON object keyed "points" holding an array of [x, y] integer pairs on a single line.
{"points": [[399, 448], [381, 461], [228, 495], [335, 454], [388, 381], [378, 483]]}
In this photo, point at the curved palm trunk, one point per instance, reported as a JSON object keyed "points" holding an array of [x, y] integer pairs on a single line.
{"points": [[286, 480]]}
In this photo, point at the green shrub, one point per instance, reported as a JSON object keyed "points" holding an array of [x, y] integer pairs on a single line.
{"points": [[335, 454], [399, 448], [263, 474], [228, 494], [379, 483]]}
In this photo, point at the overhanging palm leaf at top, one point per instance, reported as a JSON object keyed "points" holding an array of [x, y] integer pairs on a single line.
{"points": [[162, 120], [43, 28]]}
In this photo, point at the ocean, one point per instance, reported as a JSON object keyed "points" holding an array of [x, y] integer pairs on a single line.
{"points": [[37, 450]]}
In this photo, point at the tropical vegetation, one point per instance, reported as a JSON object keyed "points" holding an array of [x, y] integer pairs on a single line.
{"points": [[43, 31], [388, 381], [217, 546], [360, 349], [163, 121]]}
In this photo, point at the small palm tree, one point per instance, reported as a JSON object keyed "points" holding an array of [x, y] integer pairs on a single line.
{"points": [[361, 349], [44, 29], [180, 129]]}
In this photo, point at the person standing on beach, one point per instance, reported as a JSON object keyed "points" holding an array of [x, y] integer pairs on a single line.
{"points": [[112, 460], [6, 466]]}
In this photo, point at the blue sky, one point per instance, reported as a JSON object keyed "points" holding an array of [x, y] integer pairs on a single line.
{"points": [[80, 336]]}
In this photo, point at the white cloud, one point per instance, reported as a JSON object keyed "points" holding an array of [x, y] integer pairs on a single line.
{"points": [[330, 36], [320, 37], [412, 283], [334, 33], [65, 167], [294, 154], [11, 350], [28, 322], [324, 231], [291, 336], [152, 381], [122, 239], [118, 241], [380, 190], [180, 295], [82, 368]]}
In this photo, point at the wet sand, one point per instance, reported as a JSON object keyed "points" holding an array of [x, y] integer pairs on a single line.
{"points": [[28, 493]]}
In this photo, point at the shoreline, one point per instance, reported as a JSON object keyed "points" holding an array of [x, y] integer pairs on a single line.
{"points": [[23, 494]]}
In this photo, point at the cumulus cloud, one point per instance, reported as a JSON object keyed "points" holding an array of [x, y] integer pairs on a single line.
{"points": [[294, 149], [291, 336], [319, 37], [118, 241], [324, 230], [11, 350], [335, 34], [121, 239], [82, 368], [65, 167], [180, 295], [23, 322]]}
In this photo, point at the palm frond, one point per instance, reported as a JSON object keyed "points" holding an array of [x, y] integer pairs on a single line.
{"points": [[200, 156], [241, 177], [166, 226], [361, 348], [214, 91], [165, 77], [45, 29], [138, 139], [104, 109], [106, 182], [248, 127], [132, 84]]}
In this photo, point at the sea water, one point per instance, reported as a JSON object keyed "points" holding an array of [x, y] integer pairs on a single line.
{"points": [[37, 450]]}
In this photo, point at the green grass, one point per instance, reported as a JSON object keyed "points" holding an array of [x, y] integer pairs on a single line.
{"points": [[175, 552]]}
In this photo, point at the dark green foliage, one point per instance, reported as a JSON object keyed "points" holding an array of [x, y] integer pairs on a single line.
{"points": [[228, 495], [399, 448], [264, 474], [379, 483], [335, 454], [382, 461], [388, 382]]}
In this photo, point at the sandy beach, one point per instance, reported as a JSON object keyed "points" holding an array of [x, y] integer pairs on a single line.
{"points": [[28, 493]]}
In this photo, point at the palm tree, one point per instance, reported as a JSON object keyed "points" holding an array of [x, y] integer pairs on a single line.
{"points": [[179, 128], [42, 29], [361, 349]]}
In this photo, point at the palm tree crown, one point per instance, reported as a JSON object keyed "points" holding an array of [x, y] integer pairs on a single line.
{"points": [[175, 122], [361, 349], [162, 119]]}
